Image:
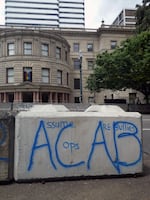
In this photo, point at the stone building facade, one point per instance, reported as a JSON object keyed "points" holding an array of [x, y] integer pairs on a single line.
{"points": [[34, 67], [44, 65]]}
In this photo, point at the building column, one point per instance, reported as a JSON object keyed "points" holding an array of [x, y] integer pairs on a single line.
{"points": [[37, 97], [50, 97], [34, 97], [19, 97], [4, 100], [63, 97], [15, 97], [1, 97], [54, 97], [68, 98], [40, 97]]}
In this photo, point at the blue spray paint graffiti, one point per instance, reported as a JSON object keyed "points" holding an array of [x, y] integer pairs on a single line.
{"points": [[119, 130], [37, 147], [123, 126], [71, 146], [57, 153], [3, 139]]}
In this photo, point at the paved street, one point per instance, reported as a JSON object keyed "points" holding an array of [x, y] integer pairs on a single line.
{"points": [[124, 188], [127, 188]]}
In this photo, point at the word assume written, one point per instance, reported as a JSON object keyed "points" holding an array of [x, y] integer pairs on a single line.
{"points": [[119, 129]]}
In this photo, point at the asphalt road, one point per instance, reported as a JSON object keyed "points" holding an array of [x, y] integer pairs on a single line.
{"points": [[122, 188]]}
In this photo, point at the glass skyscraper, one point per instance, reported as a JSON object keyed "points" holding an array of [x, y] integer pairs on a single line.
{"points": [[53, 13]]}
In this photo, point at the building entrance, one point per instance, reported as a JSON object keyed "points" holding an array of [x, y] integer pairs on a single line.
{"points": [[45, 97], [10, 97], [27, 97]]}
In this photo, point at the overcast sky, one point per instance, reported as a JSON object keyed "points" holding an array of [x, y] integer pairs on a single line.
{"points": [[95, 11]]}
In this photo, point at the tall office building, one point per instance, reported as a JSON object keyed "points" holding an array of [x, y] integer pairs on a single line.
{"points": [[126, 18], [54, 13], [71, 13]]}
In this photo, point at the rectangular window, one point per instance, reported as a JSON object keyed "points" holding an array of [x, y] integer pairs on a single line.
{"points": [[76, 99], [113, 44], [10, 75], [76, 64], [59, 77], [90, 64], [10, 49], [27, 74], [76, 47], [89, 47], [58, 53], [90, 99], [45, 75], [44, 48], [27, 48], [66, 56], [67, 78], [76, 83]]}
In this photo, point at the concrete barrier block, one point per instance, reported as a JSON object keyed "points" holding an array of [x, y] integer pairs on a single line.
{"points": [[49, 108], [6, 146], [105, 109], [73, 144]]}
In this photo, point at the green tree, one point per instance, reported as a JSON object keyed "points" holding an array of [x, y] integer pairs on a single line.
{"points": [[126, 67], [143, 16]]}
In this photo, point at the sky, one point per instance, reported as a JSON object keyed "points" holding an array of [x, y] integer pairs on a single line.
{"points": [[96, 11]]}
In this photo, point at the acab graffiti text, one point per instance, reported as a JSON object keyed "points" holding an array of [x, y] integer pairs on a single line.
{"points": [[120, 131]]}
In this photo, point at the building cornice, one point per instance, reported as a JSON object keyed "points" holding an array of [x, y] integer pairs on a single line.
{"points": [[116, 29], [50, 34]]}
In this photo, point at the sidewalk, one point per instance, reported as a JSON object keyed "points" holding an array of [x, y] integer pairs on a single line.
{"points": [[127, 188]]}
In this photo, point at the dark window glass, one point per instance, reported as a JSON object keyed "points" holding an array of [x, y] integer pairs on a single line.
{"points": [[90, 64], [67, 78], [77, 100], [76, 83], [45, 75], [89, 47], [76, 47], [10, 49], [113, 44], [76, 63], [59, 77], [27, 47], [58, 52], [27, 74], [44, 49], [10, 75]]}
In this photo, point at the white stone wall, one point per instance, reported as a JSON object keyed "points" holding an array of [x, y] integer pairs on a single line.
{"points": [[52, 142]]}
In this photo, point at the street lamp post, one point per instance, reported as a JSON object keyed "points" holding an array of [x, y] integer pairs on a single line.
{"points": [[81, 96]]}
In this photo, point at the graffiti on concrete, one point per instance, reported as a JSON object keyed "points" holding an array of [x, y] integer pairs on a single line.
{"points": [[120, 131], [3, 137]]}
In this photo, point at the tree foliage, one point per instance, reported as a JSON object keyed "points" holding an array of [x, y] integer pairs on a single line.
{"points": [[143, 16], [127, 67]]}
